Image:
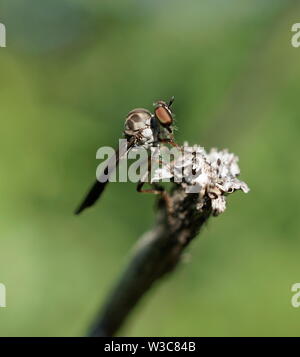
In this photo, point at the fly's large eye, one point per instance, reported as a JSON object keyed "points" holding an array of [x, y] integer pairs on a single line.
{"points": [[164, 116]]}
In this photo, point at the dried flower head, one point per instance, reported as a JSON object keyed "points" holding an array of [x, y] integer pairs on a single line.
{"points": [[212, 175]]}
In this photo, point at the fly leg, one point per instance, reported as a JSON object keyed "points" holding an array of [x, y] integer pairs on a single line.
{"points": [[156, 190], [170, 141]]}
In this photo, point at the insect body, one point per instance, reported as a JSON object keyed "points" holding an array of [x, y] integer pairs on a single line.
{"points": [[142, 128]]}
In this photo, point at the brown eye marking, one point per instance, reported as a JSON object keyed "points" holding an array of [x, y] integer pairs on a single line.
{"points": [[163, 115]]}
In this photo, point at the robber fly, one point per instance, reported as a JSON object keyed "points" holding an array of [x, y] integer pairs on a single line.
{"points": [[142, 128]]}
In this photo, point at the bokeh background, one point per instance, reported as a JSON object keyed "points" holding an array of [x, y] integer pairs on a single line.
{"points": [[71, 71]]}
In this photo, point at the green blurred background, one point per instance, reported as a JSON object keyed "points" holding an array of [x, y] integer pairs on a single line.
{"points": [[71, 71]]}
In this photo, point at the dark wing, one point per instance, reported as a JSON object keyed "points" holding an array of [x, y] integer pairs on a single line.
{"points": [[98, 187]]}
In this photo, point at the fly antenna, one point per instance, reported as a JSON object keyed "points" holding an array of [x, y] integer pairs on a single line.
{"points": [[171, 101]]}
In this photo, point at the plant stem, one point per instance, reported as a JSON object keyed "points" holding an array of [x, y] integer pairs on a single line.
{"points": [[157, 252]]}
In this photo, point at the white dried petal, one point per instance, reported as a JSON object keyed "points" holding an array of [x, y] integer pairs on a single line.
{"points": [[211, 175], [218, 205], [161, 173]]}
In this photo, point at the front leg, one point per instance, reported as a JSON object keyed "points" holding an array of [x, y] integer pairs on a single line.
{"points": [[170, 141], [157, 190]]}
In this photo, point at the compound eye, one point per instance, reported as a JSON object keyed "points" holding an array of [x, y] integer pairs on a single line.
{"points": [[164, 116]]}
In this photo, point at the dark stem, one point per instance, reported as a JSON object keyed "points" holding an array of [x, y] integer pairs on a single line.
{"points": [[157, 253]]}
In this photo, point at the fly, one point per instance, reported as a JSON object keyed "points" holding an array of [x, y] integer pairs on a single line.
{"points": [[141, 128]]}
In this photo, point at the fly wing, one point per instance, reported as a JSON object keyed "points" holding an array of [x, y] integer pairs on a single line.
{"points": [[98, 187]]}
